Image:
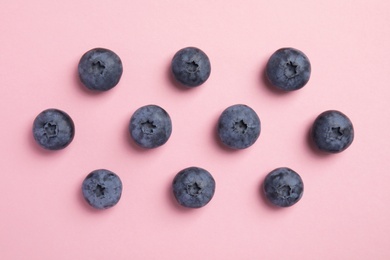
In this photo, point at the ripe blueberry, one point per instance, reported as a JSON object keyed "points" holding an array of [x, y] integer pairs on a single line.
{"points": [[193, 187], [102, 189], [288, 69], [53, 129], [332, 131], [150, 126], [239, 126], [100, 69], [283, 187], [191, 66]]}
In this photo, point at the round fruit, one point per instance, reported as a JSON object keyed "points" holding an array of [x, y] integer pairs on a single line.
{"points": [[239, 126], [100, 69], [191, 67], [193, 187], [53, 129], [332, 131], [150, 126], [102, 189], [288, 69], [283, 187]]}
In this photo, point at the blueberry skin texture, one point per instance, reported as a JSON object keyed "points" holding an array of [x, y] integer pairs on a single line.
{"points": [[239, 126], [193, 187], [283, 187], [191, 67], [150, 126], [100, 69], [332, 131], [53, 129], [288, 69], [102, 189]]}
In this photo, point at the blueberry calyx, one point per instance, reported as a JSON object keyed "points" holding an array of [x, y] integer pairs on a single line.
{"points": [[50, 129], [194, 189], [335, 133], [291, 69], [98, 67], [99, 190], [284, 191], [240, 126], [192, 67], [147, 127]]}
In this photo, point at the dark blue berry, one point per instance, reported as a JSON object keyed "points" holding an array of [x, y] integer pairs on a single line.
{"points": [[239, 126], [191, 67], [332, 131], [100, 69], [102, 189], [150, 126], [53, 129], [193, 187], [283, 187], [288, 69]]}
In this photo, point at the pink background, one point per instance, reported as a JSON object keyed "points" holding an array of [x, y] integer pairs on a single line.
{"points": [[344, 212]]}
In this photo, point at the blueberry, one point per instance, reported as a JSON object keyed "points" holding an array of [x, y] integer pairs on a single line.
{"points": [[239, 126], [193, 187], [102, 189], [191, 66], [100, 69], [288, 69], [283, 187], [332, 131], [53, 129], [150, 126]]}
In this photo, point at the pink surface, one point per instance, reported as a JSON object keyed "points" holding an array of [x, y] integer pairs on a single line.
{"points": [[344, 212]]}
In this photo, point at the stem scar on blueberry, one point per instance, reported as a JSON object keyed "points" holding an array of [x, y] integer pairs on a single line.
{"points": [[335, 133], [99, 190], [147, 127], [51, 129], [194, 189], [192, 66], [284, 191], [291, 69], [98, 66], [240, 126]]}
